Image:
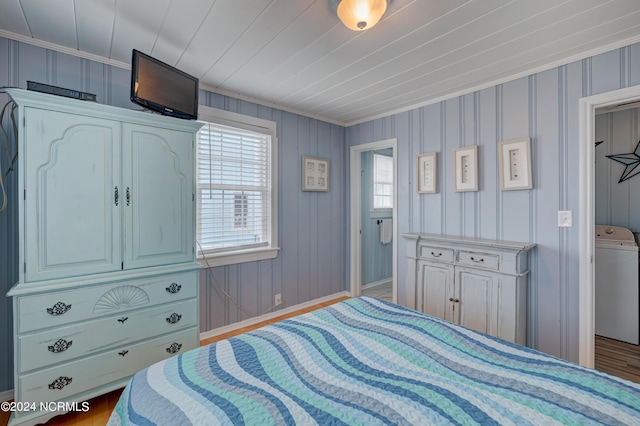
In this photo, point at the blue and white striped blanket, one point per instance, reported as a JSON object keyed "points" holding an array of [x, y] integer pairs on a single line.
{"points": [[364, 361]]}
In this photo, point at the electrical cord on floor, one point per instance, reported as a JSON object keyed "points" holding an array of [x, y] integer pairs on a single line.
{"points": [[221, 289], [11, 159]]}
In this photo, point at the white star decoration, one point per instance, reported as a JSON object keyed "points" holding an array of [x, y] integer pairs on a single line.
{"points": [[631, 161]]}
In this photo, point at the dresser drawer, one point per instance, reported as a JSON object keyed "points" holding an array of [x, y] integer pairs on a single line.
{"points": [[438, 254], [63, 307], [56, 383], [42, 349], [475, 259]]}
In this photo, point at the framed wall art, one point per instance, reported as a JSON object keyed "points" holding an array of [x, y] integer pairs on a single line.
{"points": [[315, 174], [515, 164], [465, 166], [427, 173]]}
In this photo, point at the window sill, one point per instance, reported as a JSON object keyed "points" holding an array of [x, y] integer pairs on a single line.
{"points": [[241, 256], [380, 213]]}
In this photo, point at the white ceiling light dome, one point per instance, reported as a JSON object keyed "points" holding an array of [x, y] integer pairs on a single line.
{"points": [[359, 15]]}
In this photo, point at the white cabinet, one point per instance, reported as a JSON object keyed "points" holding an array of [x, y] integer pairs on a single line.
{"points": [[480, 284], [108, 280]]}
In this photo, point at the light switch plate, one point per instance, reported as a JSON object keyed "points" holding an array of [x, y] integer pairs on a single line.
{"points": [[565, 218]]}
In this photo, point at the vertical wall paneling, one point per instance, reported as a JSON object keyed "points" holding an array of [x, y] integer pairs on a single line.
{"points": [[544, 107], [515, 204], [486, 110], [546, 175], [306, 216]]}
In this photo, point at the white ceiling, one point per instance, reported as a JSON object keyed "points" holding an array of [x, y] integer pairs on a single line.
{"points": [[296, 55]]}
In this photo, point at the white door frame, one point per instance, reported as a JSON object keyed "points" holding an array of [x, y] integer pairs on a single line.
{"points": [[355, 223], [586, 316]]}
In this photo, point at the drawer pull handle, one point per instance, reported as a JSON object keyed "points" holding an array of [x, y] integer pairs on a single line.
{"points": [[451, 299], [115, 196], [122, 320], [173, 288], [60, 346], [58, 309], [174, 318], [60, 382], [128, 196], [477, 260], [175, 347], [436, 254], [123, 353]]}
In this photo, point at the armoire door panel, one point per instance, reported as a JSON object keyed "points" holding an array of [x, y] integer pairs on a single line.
{"points": [[72, 170], [158, 191]]}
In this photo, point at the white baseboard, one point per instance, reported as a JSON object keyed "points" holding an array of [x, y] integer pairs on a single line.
{"points": [[255, 320], [6, 395], [376, 283]]}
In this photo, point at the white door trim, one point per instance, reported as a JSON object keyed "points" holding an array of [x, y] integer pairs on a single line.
{"points": [[355, 225], [587, 112]]}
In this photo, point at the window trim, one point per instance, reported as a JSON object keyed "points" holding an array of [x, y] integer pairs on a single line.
{"points": [[247, 122]]}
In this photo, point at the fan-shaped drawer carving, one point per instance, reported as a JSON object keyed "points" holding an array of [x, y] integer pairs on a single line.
{"points": [[94, 336], [107, 367], [108, 299]]}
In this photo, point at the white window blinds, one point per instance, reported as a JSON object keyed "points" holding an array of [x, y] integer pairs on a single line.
{"points": [[382, 182], [234, 188]]}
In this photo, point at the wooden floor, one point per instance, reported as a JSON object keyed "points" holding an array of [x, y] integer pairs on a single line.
{"points": [[101, 407], [618, 358]]}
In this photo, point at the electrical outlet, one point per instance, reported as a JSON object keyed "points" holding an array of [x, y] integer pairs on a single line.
{"points": [[565, 219], [277, 299]]}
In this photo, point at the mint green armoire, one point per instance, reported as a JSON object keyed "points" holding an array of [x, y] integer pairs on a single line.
{"points": [[108, 278]]}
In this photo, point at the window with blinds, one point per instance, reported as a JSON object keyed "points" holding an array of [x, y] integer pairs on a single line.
{"points": [[234, 188], [382, 182]]}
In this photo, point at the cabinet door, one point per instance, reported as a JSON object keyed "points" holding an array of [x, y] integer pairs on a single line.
{"points": [[477, 293], [71, 221], [435, 289], [158, 196]]}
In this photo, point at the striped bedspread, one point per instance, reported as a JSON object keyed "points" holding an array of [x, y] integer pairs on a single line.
{"points": [[364, 361]]}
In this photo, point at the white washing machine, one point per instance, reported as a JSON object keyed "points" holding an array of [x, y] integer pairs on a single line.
{"points": [[617, 297]]}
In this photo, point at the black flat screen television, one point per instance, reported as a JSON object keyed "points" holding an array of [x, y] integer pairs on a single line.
{"points": [[163, 88]]}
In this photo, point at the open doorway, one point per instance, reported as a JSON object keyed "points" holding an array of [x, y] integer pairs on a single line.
{"points": [[373, 219], [588, 107]]}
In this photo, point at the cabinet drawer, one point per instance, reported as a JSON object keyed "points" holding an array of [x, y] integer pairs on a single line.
{"points": [[56, 383], [438, 254], [51, 347], [63, 307], [475, 259]]}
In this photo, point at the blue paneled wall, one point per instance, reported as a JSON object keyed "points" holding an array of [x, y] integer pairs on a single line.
{"points": [[544, 107]]}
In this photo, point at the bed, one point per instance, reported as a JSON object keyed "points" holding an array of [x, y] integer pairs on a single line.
{"points": [[366, 361]]}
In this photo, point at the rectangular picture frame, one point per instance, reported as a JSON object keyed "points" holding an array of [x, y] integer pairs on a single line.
{"points": [[465, 169], [315, 174], [427, 166], [515, 164]]}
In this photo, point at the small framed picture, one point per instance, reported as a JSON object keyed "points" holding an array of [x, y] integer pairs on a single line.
{"points": [[515, 164], [465, 166], [427, 173], [315, 174]]}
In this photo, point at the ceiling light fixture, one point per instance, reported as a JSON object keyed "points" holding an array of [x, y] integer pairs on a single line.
{"points": [[359, 15]]}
